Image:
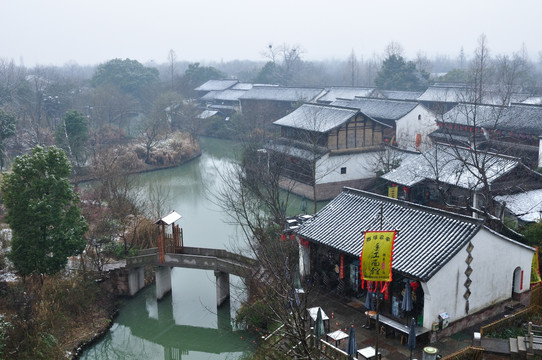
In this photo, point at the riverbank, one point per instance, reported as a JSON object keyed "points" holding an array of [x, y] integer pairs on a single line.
{"points": [[86, 335], [133, 158], [52, 317], [143, 168]]}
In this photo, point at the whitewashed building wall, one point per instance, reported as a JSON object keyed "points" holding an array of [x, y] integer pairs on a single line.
{"points": [[358, 166], [495, 261], [419, 121]]}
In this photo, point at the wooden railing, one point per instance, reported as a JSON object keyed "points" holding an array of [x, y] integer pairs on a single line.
{"points": [[514, 320], [536, 295], [468, 353]]}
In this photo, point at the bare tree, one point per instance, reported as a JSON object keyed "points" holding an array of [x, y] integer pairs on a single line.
{"points": [[353, 69], [286, 63], [394, 48], [253, 198], [111, 107], [472, 128], [172, 59]]}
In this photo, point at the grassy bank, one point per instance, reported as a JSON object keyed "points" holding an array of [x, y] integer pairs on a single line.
{"points": [[50, 318]]}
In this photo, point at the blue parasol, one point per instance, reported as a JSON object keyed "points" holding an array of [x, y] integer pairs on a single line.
{"points": [[411, 343], [351, 347], [406, 305], [318, 326]]}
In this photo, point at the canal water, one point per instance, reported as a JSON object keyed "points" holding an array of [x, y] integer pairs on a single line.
{"points": [[186, 324]]}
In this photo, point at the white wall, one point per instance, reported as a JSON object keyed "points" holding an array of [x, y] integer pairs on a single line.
{"points": [[358, 166], [493, 264], [408, 126]]}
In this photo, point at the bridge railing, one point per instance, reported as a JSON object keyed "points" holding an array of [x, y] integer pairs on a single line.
{"points": [[219, 253], [226, 259]]}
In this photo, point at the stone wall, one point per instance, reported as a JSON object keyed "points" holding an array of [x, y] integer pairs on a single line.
{"points": [[479, 317], [116, 281]]}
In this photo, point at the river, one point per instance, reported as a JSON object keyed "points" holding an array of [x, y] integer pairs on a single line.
{"points": [[185, 324]]}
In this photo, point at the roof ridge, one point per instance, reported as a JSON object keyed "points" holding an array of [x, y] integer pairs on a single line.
{"points": [[412, 205]]}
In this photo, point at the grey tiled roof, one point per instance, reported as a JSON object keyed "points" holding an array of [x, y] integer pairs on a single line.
{"points": [[401, 95], [461, 93], [297, 149], [518, 118], [380, 109], [454, 168], [427, 238], [335, 93], [276, 93], [223, 95], [525, 205], [533, 100], [445, 93], [242, 86], [319, 118], [216, 85]]}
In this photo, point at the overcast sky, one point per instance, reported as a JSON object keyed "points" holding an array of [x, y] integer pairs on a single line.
{"points": [[93, 31]]}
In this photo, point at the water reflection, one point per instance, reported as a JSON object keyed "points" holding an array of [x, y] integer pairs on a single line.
{"points": [[160, 334], [187, 323]]}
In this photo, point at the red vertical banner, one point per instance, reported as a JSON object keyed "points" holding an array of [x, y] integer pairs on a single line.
{"points": [[341, 266]]}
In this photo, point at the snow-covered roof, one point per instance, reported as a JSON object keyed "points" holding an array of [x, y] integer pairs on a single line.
{"points": [[444, 93], [517, 118], [242, 86], [297, 149], [533, 100], [342, 92], [426, 240], [277, 93], [216, 85], [223, 95], [205, 114], [453, 166], [169, 218], [527, 205], [457, 93], [319, 118], [401, 95], [380, 109]]}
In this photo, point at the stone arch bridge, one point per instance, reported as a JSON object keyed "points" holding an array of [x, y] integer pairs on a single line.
{"points": [[222, 262]]}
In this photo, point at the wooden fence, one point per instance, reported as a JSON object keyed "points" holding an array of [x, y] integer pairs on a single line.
{"points": [[536, 295], [514, 320], [468, 353]]}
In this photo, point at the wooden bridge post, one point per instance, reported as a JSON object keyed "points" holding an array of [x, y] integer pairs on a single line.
{"points": [[163, 281], [161, 244], [222, 287]]}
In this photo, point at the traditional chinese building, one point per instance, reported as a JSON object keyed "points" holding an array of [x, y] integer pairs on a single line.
{"points": [[453, 263]]}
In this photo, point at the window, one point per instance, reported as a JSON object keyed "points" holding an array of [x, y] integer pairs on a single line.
{"points": [[419, 116], [343, 170]]}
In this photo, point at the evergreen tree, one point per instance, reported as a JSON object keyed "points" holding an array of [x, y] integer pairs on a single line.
{"points": [[7, 129], [43, 212], [398, 74], [72, 134]]}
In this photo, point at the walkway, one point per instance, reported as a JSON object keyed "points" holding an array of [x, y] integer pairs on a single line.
{"points": [[343, 314]]}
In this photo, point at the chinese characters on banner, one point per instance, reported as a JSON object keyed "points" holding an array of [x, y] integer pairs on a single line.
{"points": [[392, 192], [535, 270], [376, 256]]}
